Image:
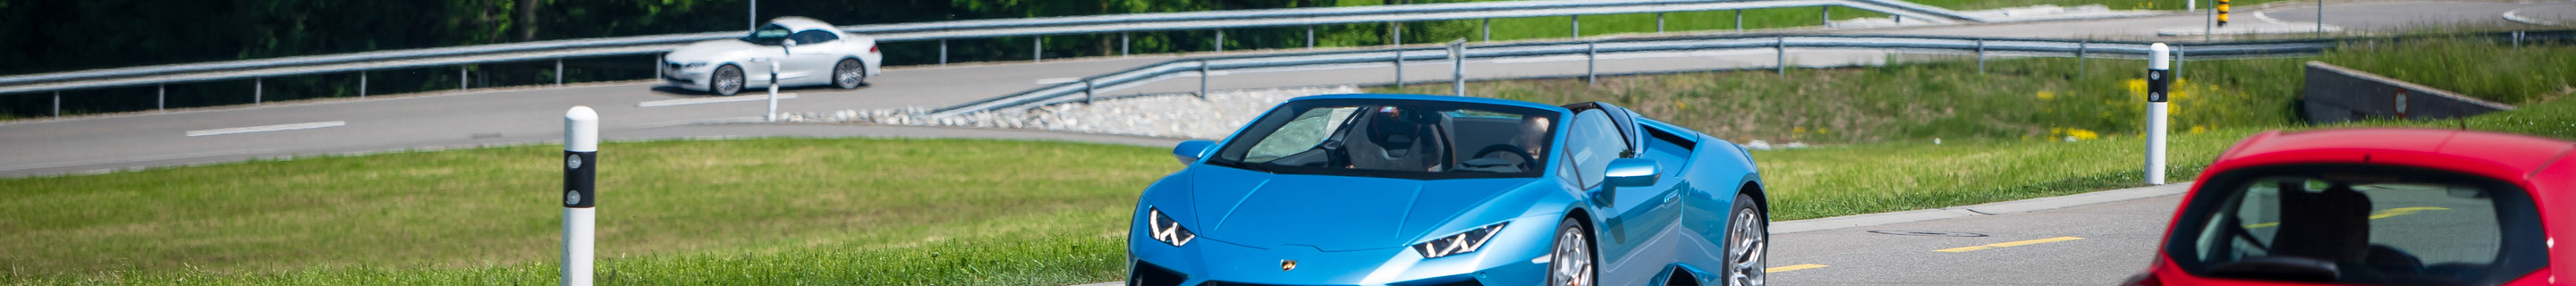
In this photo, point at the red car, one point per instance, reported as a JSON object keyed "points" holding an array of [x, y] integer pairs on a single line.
{"points": [[2376, 207]]}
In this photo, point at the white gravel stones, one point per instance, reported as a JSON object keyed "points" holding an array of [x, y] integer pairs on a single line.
{"points": [[1169, 115]]}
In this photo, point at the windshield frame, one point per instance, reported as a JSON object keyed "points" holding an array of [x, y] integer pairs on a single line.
{"points": [[754, 36], [1237, 147]]}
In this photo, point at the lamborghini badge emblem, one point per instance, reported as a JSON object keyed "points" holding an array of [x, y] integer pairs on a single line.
{"points": [[1286, 265]]}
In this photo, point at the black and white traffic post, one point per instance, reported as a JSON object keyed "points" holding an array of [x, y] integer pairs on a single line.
{"points": [[2159, 60], [773, 92], [581, 170]]}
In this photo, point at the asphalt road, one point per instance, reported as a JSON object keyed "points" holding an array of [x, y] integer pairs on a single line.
{"points": [[2097, 244], [2115, 238]]}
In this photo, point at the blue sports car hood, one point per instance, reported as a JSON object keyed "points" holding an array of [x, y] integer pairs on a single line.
{"points": [[1331, 213]]}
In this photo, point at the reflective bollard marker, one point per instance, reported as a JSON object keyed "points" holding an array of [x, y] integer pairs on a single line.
{"points": [[2159, 60], [581, 170]]}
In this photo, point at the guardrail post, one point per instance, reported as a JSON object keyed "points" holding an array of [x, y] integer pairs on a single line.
{"points": [[1591, 60], [362, 79], [461, 81], [1399, 70], [1739, 20], [2178, 55], [1780, 45], [1458, 66], [1037, 48], [1086, 91], [1310, 36], [2157, 86], [1398, 27], [1659, 23], [943, 52], [1488, 29], [2517, 39], [658, 62], [2079, 57], [1828, 15], [1578, 25], [1220, 41], [2321, 17], [581, 175], [58, 103], [161, 95], [559, 72], [1203, 78], [1122, 44], [1981, 56], [255, 90]]}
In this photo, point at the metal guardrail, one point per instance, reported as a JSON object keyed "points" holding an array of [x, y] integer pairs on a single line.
{"points": [[1083, 89], [970, 29]]}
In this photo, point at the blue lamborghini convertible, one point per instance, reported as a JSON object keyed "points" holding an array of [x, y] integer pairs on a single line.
{"points": [[1380, 189]]}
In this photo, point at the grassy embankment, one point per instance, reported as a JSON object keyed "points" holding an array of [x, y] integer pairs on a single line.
{"points": [[2004, 129], [885, 211]]}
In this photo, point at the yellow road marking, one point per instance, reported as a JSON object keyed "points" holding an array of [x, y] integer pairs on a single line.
{"points": [[2010, 244], [1792, 268], [2387, 213]]}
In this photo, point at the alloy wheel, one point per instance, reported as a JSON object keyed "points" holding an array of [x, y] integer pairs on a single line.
{"points": [[728, 80], [1748, 242]]}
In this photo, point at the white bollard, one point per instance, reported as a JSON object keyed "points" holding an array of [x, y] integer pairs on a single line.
{"points": [[581, 170], [2158, 83]]}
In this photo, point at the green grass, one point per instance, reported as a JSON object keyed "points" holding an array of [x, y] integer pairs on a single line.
{"points": [[669, 210]]}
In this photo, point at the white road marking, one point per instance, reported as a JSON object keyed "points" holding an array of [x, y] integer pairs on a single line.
{"points": [[719, 99], [267, 128], [2258, 15]]}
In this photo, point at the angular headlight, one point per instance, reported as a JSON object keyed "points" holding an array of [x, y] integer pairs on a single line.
{"points": [[689, 65], [1463, 242], [1164, 229]]}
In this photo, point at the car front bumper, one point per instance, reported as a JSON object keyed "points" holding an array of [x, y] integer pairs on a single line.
{"points": [[685, 77], [1518, 256]]}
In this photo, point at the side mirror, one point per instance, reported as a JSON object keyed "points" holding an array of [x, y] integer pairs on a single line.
{"points": [[1191, 151], [784, 44], [1632, 172]]}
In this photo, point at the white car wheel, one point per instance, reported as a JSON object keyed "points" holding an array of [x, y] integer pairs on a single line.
{"points": [[847, 75], [727, 80]]}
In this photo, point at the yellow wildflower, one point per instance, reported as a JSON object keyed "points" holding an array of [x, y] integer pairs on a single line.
{"points": [[2081, 134]]}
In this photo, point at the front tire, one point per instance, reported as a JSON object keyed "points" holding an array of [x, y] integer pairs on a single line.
{"points": [[848, 74], [1748, 243], [726, 81], [1570, 263]]}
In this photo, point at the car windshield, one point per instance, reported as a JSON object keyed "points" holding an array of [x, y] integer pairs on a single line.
{"points": [[770, 35], [2355, 224], [1395, 139]]}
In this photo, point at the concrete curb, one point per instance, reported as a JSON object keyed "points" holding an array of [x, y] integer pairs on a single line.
{"points": [[1997, 208]]}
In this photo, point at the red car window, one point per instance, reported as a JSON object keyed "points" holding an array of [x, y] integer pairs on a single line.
{"points": [[2359, 224]]}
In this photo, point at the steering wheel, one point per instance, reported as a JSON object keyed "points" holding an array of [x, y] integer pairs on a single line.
{"points": [[1526, 158]]}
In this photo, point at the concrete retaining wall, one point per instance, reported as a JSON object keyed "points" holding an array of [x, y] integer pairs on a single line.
{"points": [[2337, 94]]}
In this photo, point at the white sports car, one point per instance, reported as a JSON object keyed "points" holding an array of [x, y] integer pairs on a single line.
{"points": [[807, 52]]}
